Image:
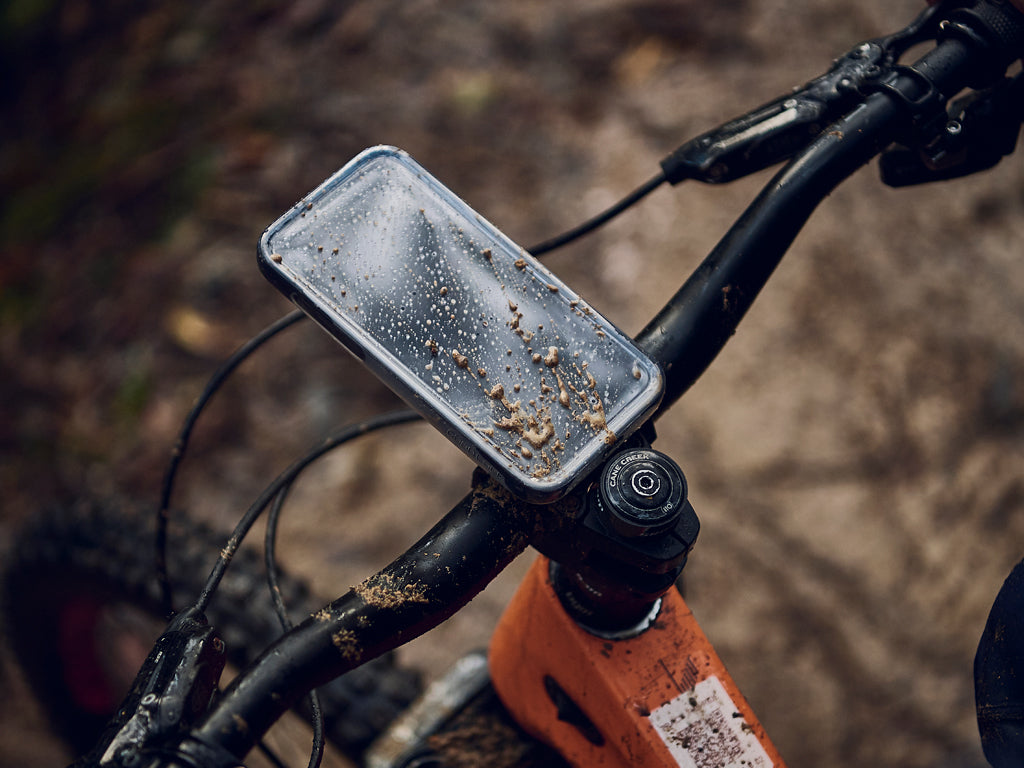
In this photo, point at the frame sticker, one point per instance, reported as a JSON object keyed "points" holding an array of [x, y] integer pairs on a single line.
{"points": [[702, 728]]}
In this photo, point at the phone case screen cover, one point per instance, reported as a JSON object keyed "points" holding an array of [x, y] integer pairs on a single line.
{"points": [[492, 348]]}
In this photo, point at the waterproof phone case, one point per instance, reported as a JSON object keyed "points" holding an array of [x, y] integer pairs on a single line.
{"points": [[474, 333]]}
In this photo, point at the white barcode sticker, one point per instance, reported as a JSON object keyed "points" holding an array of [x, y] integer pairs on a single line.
{"points": [[702, 728]]}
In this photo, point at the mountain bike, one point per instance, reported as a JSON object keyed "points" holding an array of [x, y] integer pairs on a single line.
{"points": [[577, 663]]}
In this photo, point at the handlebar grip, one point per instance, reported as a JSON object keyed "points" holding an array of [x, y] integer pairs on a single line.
{"points": [[994, 26]]}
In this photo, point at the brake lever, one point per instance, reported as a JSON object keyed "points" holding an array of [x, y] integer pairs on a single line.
{"points": [[173, 688], [979, 131], [776, 131]]}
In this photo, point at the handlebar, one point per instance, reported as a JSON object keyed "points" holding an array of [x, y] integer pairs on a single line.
{"points": [[779, 129], [702, 316], [435, 578], [460, 555]]}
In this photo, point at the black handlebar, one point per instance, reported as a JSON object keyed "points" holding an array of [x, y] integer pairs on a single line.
{"points": [[442, 572], [975, 48]]}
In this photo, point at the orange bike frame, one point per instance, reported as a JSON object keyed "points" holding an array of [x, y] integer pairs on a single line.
{"points": [[659, 698]]}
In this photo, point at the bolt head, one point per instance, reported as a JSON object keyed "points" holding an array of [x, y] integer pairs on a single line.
{"points": [[642, 492]]}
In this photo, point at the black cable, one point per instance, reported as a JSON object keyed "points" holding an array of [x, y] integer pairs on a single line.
{"points": [[278, 492], [271, 755], [316, 755], [216, 380], [284, 480], [602, 218]]}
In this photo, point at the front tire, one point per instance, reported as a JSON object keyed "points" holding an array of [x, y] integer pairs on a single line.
{"points": [[82, 612]]}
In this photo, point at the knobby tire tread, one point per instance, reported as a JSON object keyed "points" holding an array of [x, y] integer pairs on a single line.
{"points": [[105, 551]]}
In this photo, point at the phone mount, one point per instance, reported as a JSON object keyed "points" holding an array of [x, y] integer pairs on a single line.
{"points": [[492, 348]]}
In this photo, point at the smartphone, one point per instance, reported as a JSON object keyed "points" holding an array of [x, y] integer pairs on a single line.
{"points": [[487, 344]]}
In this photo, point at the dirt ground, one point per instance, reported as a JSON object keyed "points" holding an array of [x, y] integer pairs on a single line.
{"points": [[855, 454]]}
